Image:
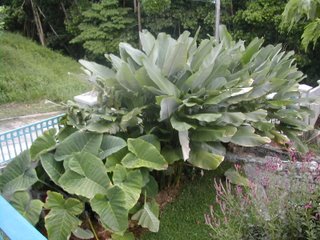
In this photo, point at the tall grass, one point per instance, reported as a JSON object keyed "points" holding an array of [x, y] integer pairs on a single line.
{"points": [[29, 72]]}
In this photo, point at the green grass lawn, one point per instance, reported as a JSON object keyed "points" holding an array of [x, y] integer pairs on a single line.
{"points": [[184, 218], [30, 72]]}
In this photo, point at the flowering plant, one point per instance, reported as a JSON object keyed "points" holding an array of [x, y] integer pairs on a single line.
{"points": [[281, 201]]}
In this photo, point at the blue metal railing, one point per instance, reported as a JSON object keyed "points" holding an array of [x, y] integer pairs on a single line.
{"points": [[13, 142], [14, 226]]}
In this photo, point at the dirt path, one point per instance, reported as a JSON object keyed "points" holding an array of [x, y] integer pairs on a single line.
{"points": [[11, 110], [7, 124], [15, 115]]}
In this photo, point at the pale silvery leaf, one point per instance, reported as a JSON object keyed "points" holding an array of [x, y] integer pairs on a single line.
{"points": [[184, 142]]}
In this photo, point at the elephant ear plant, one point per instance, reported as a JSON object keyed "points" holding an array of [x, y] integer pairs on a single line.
{"points": [[172, 102]]}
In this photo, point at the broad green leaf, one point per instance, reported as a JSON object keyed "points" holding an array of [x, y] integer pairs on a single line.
{"points": [[134, 53], [83, 233], [171, 155], [232, 118], [115, 159], [148, 216], [18, 175], [279, 137], [53, 168], [210, 59], [279, 103], [201, 52], [225, 37], [297, 143], [111, 209], [196, 80], [126, 78], [43, 144], [205, 117], [246, 137], [150, 138], [130, 181], [207, 156], [151, 188], [98, 69], [163, 84], [62, 220], [204, 134], [179, 125], [263, 126], [163, 45], [147, 41], [116, 61], [237, 92], [256, 116], [86, 176], [28, 208], [292, 117], [66, 132], [176, 58], [77, 142], [251, 49], [167, 107], [234, 177], [142, 77], [143, 154], [103, 126], [126, 236], [131, 119], [212, 100], [111, 144]]}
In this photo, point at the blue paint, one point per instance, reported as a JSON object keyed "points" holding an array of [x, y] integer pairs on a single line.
{"points": [[13, 142], [15, 226]]}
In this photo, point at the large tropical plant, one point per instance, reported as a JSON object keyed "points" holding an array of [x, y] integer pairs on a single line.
{"points": [[172, 101], [201, 96]]}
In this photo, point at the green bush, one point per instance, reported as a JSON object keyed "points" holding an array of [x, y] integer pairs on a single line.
{"points": [[171, 102]]}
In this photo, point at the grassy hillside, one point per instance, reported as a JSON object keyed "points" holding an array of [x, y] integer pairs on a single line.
{"points": [[30, 72]]}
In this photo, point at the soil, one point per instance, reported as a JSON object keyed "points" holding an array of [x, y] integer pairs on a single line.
{"points": [[164, 197], [167, 195]]}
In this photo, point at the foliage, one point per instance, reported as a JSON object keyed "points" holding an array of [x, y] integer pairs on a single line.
{"points": [[297, 11], [28, 208], [198, 92], [182, 15], [263, 18], [38, 73], [75, 166], [2, 15], [173, 101], [103, 26], [273, 206], [155, 6], [259, 18]]}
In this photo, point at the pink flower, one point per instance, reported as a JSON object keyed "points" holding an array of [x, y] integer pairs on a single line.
{"points": [[308, 205], [237, 166], [239, 190]]}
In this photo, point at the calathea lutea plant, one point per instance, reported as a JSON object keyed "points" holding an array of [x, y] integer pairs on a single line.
{"points": [[171, 102]]}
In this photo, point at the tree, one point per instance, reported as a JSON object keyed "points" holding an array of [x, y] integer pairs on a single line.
{"points": [[37, 20], [217, 22], [104, 25], [301, 10]]}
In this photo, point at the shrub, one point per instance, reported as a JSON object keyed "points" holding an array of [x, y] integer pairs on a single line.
{"points": [[171, 102], [273, 205]]}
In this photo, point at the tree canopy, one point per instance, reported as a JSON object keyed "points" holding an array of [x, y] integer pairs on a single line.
{"points": [[90, 28]]}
